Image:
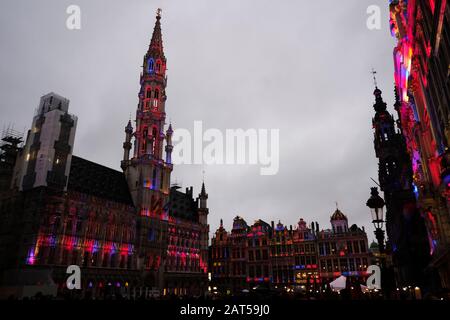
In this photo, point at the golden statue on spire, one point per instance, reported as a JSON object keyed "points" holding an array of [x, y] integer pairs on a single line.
{"points": [[373, 72]]}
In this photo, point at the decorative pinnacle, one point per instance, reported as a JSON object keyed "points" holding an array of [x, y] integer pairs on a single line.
{"points": [[169, 130], [373, 72], [158, 13]]}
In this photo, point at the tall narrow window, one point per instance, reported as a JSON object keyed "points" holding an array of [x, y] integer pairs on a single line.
{"points": [[149, 93], [150, 65], [144, 140], [154, 177], [155, 152], [158, 67], [156, 99]]}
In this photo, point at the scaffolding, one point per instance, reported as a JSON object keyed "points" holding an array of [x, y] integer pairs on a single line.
{"points": [[11, 140]]}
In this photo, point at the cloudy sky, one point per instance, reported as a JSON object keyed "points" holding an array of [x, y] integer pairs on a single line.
{"points": [[302, 67]]}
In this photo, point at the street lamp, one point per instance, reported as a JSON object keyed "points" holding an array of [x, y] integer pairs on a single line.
{"points": [[376, 204]]}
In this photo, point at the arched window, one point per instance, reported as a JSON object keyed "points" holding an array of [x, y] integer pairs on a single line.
{"points": [[150, 64], [148, 93]]}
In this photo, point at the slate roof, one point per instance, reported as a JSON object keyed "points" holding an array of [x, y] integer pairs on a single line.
{"points": [[94, 179], [182, 205]]}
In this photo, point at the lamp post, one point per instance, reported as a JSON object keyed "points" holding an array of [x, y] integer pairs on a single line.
{"points": [[376, 204]]}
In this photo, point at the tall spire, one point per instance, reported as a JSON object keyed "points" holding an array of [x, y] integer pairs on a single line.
{"points": [[129, 127], [156, 44], [203, 192], [203, 197]]}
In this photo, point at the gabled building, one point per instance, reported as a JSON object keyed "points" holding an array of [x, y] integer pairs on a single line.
{"points": [[343, 250], [279, 257]]}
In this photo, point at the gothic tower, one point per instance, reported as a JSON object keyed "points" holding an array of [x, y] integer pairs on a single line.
{"points": [[148, 171], [404, 225], [203, 206], [203, 212]]}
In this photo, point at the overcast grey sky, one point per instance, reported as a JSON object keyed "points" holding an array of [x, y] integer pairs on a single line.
{"points": [[299, 66]]}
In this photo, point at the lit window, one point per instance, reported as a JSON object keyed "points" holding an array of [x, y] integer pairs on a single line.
{"points": [[155, 100], [150, 65]]}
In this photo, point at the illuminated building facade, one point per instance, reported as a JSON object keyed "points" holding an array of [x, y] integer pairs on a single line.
{"points": [[275, 256], [306, 260], [238, 254], [422, 60], [219, 260], [258, 253], [343, 250], [185, 264], [405, 226], [130, 232]]}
